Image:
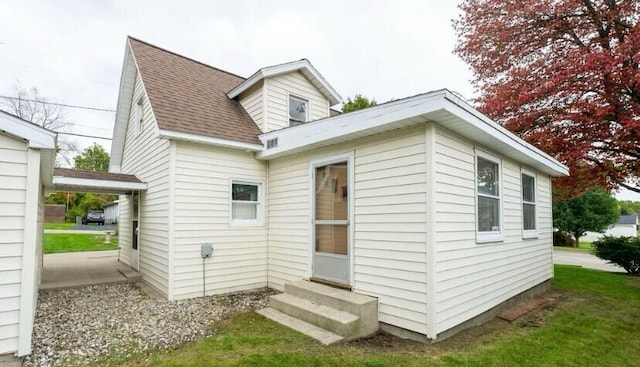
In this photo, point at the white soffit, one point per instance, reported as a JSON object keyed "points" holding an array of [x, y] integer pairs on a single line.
{"points": [[61, 183], [441, 107]]}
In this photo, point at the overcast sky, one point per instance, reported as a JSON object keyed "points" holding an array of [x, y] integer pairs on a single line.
{"points": [[72, 51]]}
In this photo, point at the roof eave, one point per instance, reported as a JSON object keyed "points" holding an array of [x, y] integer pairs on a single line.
{"points": [[403, 113], [270, 71], [197, 138], [125, 96]]}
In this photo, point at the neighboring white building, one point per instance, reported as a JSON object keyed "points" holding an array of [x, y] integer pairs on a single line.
{"points": [[111, 213], [423, 202], [27, 155], [626, 225]]}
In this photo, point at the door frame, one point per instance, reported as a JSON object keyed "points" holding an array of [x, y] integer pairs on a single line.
{"points": [[343, 157]]}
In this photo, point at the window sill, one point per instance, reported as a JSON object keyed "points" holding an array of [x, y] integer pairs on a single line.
{"points": [[241, 224], [489, 237], [529, 235]]}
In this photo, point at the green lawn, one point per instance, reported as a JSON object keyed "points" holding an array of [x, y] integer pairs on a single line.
{"points": [[59, 225], [595, 323], [72, 242], [583, 247]]}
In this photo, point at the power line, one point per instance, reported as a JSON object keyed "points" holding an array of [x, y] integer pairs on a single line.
{"points": [[61, 104], [84, 136]]}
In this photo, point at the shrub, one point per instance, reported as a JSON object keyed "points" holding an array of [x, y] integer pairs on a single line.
{"points": [[624, 251], [563, 239]]}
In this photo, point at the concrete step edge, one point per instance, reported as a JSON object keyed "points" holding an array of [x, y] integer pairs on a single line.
{"points": [[327, 291], [323, 336]]}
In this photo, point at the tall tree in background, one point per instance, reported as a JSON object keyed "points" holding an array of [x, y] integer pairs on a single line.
{"points": [[593, 211], [357, 103], [564, 75], [94, 158], [30, 105]]}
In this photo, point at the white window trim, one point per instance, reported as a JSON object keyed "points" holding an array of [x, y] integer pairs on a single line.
{"points": [[259, 221], [293, 96], [493, 236], [532, 233], [139, 116], [349, 158]]}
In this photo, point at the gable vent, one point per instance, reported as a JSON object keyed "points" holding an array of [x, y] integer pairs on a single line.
{"points": [[272, 143]]}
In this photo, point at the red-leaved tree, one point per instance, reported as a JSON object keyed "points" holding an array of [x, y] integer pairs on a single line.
{"points": [[564, 76]]}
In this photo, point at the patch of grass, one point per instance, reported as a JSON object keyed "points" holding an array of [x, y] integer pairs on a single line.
{"points": [[73, 242], [595, 323], [59, 225], [583, 247]]}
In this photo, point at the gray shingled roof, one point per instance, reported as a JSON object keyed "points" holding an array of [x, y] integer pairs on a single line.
{"points": [[628, 219]]}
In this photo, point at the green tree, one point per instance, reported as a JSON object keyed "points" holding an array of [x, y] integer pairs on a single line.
{"points": [[593, 211], [629, 207], [94, 158], [357, 103]]}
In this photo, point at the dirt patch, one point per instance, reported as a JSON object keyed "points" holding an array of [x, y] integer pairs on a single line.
{"points": [[384, 342], [634, 282]]}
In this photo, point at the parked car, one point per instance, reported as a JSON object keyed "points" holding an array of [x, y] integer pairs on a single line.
{"points": [[93, 216]]}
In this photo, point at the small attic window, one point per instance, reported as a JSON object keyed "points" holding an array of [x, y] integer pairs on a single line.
{"points": [[298, 111]]}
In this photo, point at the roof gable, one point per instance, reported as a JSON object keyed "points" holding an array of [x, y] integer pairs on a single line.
{"points": [[304, 66], [36, 137]]}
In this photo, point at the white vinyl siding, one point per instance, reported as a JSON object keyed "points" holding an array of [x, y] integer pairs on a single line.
{"points": [[203, 176], [13, 183], [147, 157], [253, 102], [472, 278], [389, 226], [277, 91]]}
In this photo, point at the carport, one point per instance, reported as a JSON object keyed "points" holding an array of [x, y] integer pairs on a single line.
{"points": [[76, 269]]}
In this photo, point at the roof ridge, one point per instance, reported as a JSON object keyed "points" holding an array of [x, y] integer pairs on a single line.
{"points": [[184, 57]]}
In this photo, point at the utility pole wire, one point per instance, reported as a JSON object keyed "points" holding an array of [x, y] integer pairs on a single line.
{"points": [[61, 104], [84, 136]]}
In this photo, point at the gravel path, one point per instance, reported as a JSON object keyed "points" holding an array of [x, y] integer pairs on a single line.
{"points": [[77, 326]]}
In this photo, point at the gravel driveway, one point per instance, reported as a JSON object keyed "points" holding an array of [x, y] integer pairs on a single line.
{"points": [[77, 326]]}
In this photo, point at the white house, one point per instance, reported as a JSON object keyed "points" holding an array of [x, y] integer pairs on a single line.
{"points": [[626, 225], [27, 156], [111, 213], [423, 203]]}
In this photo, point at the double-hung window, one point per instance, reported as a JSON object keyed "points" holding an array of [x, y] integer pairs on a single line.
{"points": [[246, 203], [529, 225], [488, 196], [298, 111]]}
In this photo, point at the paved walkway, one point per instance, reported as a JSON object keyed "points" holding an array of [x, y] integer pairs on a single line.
{"points": [[74, 269], [584, 259]]}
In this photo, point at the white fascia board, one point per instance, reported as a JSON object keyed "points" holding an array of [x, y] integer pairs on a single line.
{"points": [[275, 70], [125, 96], [36, 136], [325, 130], [472, 116], [98, 184], [178, 135], [322, 132]]}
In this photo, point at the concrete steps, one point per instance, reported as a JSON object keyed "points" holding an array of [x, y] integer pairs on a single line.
{"points": [[327, 314], [131, 275]]}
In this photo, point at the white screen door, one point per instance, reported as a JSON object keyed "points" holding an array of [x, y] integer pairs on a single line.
{"points": [[331, 222]]}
